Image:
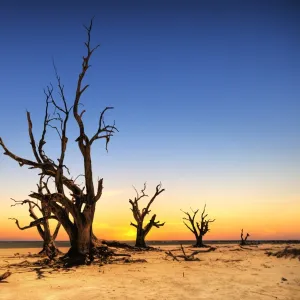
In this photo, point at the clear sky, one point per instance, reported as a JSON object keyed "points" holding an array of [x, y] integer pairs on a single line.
{"points": [[206, 97]]}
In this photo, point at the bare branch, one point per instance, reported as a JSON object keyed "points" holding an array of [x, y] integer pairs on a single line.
{"points": [[56, 231], [32, 140], [99, 190], [29, 202], [20, 160], [158, 191], [33, 223], [104, 131], [134, 225]]}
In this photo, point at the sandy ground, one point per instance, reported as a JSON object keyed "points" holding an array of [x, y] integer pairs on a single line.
{"points": [[227, 273]]}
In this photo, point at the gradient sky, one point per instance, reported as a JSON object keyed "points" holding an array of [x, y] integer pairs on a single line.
{"points": [[206, 97]]}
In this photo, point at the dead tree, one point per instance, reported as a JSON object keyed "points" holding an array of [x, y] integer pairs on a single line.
{"points": [[73, 206], [199, 229], [43, 228], [244, 240], [139, 216]]}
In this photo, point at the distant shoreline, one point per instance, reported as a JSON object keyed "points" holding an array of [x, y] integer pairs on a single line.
{"points": [[38, 244]]}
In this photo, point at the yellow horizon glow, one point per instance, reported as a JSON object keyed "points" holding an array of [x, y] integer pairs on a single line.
{"points": [[266, 221]]}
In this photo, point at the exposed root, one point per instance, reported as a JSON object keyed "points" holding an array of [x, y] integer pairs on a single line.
{"points": [[40, 267], [99, 255], [102, 254], [50, 252]]}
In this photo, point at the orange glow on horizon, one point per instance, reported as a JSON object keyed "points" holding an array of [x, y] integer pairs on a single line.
{"points": [[263, 220]]}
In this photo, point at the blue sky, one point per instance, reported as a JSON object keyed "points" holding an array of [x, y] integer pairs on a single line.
{"points": [[206, 93]]}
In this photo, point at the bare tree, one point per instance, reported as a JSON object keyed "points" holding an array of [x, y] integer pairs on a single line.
{"points": [[139, 216], [73, 206], [43, 228], [199, 229], [244, 240]]}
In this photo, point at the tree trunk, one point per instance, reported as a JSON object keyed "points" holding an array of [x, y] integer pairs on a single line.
{"points": [[49, 249], [81, 242], [140, 238], [80, 234], [199, 242]]}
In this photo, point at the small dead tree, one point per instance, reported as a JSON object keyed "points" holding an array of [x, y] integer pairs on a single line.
{"points": [[73, 206], [244, 240], [43, 228], [139, 216], [199, 229]]}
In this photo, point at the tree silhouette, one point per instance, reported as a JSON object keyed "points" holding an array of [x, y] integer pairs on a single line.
{"points": [[73, 206], [139, 216], [244, 240], [199, 229], [43, 228]]}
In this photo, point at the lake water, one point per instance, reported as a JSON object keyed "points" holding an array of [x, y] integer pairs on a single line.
{"points": [[38, 244]]}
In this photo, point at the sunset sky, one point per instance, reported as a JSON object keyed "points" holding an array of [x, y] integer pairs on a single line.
{"points": [[206, 97]]}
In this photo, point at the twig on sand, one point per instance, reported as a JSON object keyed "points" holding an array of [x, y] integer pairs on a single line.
{"points": [[264, 294]]}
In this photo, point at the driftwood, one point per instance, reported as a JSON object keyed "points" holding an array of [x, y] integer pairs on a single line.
{"points": [[286, 252], [116, 244], [5, 275], [139, 260], [185, 257]]}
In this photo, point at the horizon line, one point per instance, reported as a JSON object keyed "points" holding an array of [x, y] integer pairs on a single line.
{"points": [[170, 240]]}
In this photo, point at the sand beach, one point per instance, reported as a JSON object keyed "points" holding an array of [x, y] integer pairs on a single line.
{"points": [[229, 272]]}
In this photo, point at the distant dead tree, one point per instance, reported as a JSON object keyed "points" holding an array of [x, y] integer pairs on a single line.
{"points": [[243, 240], [139, 216], [199, 229], [43, 228], [72, 205]]}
